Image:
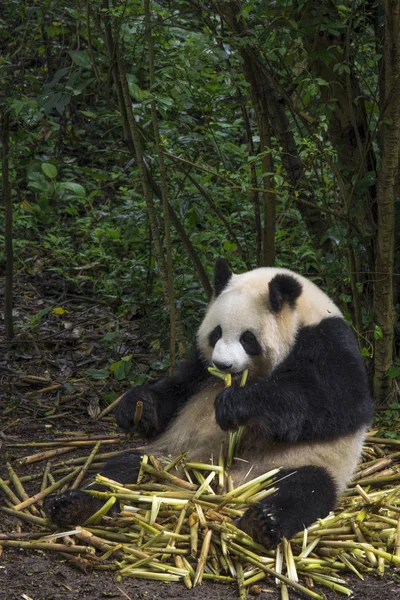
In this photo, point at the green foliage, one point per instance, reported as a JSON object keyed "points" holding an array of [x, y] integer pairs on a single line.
{"points": [[79, 208], [388, 421]]}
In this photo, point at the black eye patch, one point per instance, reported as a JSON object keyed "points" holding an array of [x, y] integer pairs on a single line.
{"points": [[215, 335], [250, 343]]}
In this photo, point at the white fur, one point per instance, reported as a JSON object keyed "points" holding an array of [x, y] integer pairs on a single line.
{"points": [[196, 431], [244, 305]]}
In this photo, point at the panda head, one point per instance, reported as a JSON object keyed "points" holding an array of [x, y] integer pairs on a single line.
{"points": [[253, 318]]}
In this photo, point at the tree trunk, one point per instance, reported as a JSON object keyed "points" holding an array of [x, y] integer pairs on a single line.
{"points": [[164, 192], [383, 288], [8, 229], [269, 104], [268, 247]]}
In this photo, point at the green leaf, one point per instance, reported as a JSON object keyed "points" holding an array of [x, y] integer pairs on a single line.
{"points": [[394, 372], [97, 374], [59, 310], [68, 387], [378, 333], [88, 113], [229, 247], [111, 336], [121, 368], [49, 170], [40, 314], [37, 181], [75, 188], [81, 58]]}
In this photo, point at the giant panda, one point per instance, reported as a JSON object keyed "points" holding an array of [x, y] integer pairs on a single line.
{"points": [[305, 407]]}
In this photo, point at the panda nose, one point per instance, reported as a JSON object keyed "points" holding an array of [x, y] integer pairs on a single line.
{"points": [[222, 366]]}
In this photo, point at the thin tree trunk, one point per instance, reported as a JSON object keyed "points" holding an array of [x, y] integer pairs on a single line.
{"points": [[164, 191], [111, 49], [383, 285], [186, 242], [266, 97], [355, 293], [8, 228], [219, 214], [253, 175], [147, 192], [268, 251]]}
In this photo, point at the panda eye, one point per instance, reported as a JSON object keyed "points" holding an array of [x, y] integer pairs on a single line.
{"points": [[215, 335], [250, 343]]}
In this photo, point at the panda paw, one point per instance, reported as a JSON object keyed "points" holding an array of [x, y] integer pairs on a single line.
{"points": [[229, 408], [73, 507], [125, 412], [262, 523]]}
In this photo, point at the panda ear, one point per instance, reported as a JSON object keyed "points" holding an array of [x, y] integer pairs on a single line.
{"points": [[222, 275], [283, 288]]}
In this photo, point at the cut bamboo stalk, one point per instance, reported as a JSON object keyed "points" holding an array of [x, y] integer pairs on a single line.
{"points": [[49, 490], [45, 455], [85, 467], [203, 557]]}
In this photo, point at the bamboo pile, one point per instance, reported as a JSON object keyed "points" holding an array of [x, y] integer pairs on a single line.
{"points": [[182, 528]]}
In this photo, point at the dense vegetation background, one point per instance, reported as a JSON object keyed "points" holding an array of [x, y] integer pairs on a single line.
{"points": [[141, 140]]}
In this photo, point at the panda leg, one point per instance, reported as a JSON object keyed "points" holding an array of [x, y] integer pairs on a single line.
{"points": [[305, 495], [74, 507]]}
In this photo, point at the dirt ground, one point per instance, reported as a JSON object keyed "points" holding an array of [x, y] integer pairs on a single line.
{"points": [[46, 392]]}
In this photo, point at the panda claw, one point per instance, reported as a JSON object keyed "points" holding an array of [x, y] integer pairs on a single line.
{"points": [[263, 526]]}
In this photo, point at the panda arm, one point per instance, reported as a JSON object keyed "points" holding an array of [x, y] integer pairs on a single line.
{"points": [[172, 392], [162, 399], [319, 391]]}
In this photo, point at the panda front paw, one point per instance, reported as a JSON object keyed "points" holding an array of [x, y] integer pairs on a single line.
{"points": [[73, 507], [125, 412], [262, 522], [229, 408]]}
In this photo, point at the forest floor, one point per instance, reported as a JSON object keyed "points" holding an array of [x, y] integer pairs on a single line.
{"points": [[53, 385]]}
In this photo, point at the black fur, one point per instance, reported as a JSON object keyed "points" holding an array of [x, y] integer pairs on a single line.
{"points": [[319, 391], [304, 495], [161, 402], [283, 288], [222, 275], [74, 507], [163, 399], [215, 335], [250, 343]]}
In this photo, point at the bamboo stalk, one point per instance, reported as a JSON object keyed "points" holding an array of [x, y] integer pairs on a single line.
{"points": [[27, 517], [397, 541], [49, 490], [85, 467], [47, 546], [203, 558], [194, 533], [240, 581], [96, 517], [186, 579], [110, 407], [6, 489], [335, 587], [168, 477], [45, 455]]}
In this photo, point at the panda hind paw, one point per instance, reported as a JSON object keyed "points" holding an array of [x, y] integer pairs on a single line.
{"points": [[262, 523], [72, 507]]}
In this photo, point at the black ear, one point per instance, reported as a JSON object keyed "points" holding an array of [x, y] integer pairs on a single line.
{"points": [[222, 275], [283, 288]]}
